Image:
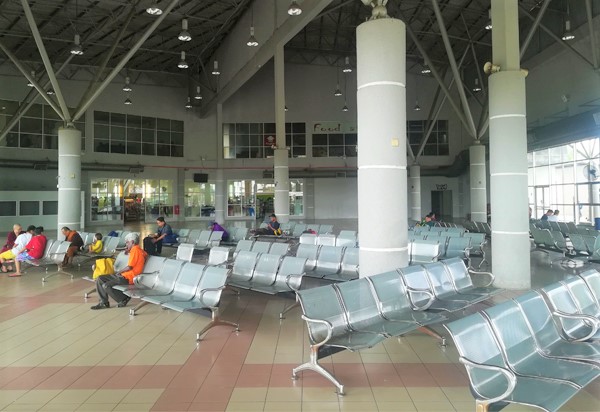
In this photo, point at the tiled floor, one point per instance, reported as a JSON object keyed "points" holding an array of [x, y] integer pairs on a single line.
{"points": [[58, 355]]}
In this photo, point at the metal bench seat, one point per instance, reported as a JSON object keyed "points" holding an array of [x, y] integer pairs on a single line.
{"points": [[424, 251], [243, 245], [287, 279], [328, 327], [539, 319], [280, 249], [329, 261], [243, 268], [574, 325], [160, 283], [592, 278], [522, 354], [310, 253], [120, 262], [492, 382], [207, 297], [462, 281], [348, 268], [261, 247], [218, 255], [184, 289]]}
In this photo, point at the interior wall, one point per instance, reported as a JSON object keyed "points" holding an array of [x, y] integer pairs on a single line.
{"points": [[336, 198]]}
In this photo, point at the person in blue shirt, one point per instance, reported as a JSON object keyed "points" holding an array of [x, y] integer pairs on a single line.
{"points": [[164, 234], [274, 227]]}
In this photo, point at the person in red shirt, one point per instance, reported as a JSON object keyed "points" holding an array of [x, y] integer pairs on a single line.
{"points": [[33, 250], [135, 265]]}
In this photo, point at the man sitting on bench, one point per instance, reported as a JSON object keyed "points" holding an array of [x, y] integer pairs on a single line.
{"points": [[135, 266]]}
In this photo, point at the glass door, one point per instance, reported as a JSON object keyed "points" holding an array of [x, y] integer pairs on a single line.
{"points": [[541, 200]]}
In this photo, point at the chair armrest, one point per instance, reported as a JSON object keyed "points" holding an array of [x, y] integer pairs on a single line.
{"points": [[511, 379], [424, 291], [322, 322], [297, 279], [204, 291], [489, 274], [590, 321], [137, 280]]}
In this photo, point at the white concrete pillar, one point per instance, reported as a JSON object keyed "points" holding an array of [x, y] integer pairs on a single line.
{"points": [[180, 195], [382, 177], [69, 178], [281, 173], [595, 189], [220, 205], [478, 183], [414, 187], [309, 198], [508, 153]]}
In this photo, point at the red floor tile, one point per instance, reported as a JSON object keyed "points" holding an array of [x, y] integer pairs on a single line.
{"points": [[64, 377], [208, 407], [31, 378], [158, 377], [128, 377], [95, 377]]}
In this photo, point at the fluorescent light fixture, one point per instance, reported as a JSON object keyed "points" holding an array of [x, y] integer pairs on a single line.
{"points": [[154, 9], [488, 25], [50, 92], [76, 49], [425, 69], [198, 95], [183, 64], [216, 71], [347, 68], [128, 101], [29, 84], [127, 86], [294, 9], [184, 35], [188, 105], [476, 86], [252, 42]]}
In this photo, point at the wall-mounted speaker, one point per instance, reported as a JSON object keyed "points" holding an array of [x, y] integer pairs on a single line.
{"points": [[200, 177]]}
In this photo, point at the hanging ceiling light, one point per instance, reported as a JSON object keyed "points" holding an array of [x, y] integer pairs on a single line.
{"points": [[425, 69], [476, 86], [76, 49], [567, 35], [198, 95], [417, 107], [345, 108], [50, 92], [216, 71], [29, 84], [188, 105], [184, 35], [183, 64], [154, 9], [488, 24], [294, 9], [127, 86], [347, 68], [286, 108], [128, 101], [252, 42], [337, 92]]}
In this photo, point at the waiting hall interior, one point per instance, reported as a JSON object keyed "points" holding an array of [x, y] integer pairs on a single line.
{"points": [[375, 205]]}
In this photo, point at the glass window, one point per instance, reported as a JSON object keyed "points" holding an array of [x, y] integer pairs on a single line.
{"points": [[255, 140], [199, 199], [8, 208], [50, 207], [29, 208]]}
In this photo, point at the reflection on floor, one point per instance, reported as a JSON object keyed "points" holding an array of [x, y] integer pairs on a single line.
{"points": [[58, 355]]}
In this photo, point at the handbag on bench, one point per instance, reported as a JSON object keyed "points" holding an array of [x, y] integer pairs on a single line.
{"points": [[104, 266]]}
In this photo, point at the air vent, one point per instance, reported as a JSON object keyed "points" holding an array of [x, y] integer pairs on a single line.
{"points": [[340, 174], [136, 170], [40, 166]]}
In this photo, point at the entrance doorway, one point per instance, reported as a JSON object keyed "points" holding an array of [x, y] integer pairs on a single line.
{"points": [[441, 204]]}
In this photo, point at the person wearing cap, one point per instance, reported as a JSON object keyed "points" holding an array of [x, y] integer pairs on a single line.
{"points": [[126, 276], [273, 226]]}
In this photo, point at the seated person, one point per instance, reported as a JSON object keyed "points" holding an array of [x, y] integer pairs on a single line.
{"points": [[273, 228], [20, 244], [215, 227], [76, 243], [11, 237], [153, 243], [554, 216], [33, 250], [546, 215], [135, 266], [97, 245]]}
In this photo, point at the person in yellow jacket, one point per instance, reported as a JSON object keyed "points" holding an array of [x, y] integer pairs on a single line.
{"points": [[97, 245]]}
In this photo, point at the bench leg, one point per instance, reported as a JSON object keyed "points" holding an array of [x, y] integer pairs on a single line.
{"points": [[216, 321], [286, 310], [481, 406], [88, 293], [232, 289], [137, 307], [59, 271], [313, 365], [428, 331]]}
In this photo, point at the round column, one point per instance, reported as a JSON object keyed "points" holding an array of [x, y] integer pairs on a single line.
{"points": [[69, 178], [478, 183], [414, 186], [508, 173], [219, 196], [382, 177], [281, 175]]}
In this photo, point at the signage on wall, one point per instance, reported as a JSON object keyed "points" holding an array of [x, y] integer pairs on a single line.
{"points": [[442, 187], [333, 127]]}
